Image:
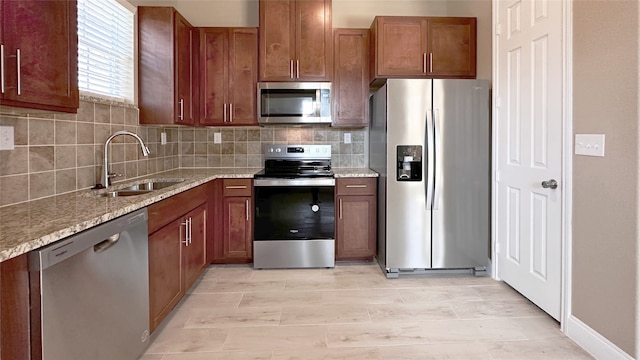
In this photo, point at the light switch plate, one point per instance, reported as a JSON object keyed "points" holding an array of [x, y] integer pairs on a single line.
{"points": [[163, 138], [347, 138], [6, 138], [589, 144], [217, 138]]}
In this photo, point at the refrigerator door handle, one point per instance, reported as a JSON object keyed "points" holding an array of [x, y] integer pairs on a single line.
{"points": [[437, 176], [428, 160]]}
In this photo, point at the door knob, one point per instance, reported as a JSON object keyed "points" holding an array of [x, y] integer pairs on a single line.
{"points": [[550, 184]]}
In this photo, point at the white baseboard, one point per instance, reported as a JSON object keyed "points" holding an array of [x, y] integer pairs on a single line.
{"points": [[594, 343]]}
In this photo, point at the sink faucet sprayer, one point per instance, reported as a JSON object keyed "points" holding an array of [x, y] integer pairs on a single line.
{"points": [[105, 166]]}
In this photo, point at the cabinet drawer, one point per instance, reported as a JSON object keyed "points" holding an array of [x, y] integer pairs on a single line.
{"points": [[171, 208], [356, 186], [236, 187]]}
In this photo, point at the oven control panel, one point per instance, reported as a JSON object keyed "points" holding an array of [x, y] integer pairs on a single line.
{"points": [[297, 151]]}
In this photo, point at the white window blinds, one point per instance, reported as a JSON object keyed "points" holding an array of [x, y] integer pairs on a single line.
{"points": [[105, 49]]}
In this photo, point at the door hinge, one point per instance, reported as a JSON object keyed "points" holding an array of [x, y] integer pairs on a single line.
{"points": [[497, 248], [497, 102], [497, 176], [498, 29]]}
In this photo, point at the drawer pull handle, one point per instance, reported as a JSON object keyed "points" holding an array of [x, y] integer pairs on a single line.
{"points": [[431, 62], [424, 63], [247, 209], [2, 68], [186, 232], [356, 186], [236, 187], [19, 77]]}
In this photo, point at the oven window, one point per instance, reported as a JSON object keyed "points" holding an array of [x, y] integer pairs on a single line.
{"points": [[280, 102], [294, 213]]}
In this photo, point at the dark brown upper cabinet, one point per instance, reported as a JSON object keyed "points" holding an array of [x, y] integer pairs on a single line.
{"points": [[295, 40], [351, 77], [423, 47], [167, 60], [228, 76], [39, 48]]}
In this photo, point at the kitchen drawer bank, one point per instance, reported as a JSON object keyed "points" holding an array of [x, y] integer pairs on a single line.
{"points": [[31, 225]]}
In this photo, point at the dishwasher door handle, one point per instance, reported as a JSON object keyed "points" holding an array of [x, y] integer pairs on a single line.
{"points": [[106, 244]]}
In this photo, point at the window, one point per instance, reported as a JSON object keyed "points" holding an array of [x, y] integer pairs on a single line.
{"points": [[105, 49]]}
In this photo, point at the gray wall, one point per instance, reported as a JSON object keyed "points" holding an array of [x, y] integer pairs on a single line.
{"points": [[605, 190]]}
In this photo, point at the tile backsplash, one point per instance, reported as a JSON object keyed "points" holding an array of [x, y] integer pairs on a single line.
{"points": [[242, 146], [59, 153]]}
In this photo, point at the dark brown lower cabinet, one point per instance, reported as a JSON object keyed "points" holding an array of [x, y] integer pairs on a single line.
{"points": [[356, 203], [165, 271], [177, 249], [14, 309], [234, 244]]}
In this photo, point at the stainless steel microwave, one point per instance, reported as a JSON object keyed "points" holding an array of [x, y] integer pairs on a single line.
{"points": [[294, 103]]}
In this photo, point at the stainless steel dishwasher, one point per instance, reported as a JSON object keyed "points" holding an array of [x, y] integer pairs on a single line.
{"points": [[94, 292]]}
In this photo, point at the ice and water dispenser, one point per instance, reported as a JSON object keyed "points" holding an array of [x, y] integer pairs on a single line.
{"points": [[409, 164]]}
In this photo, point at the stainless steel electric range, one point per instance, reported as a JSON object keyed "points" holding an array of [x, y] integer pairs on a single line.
{"points": [[295, 214]]}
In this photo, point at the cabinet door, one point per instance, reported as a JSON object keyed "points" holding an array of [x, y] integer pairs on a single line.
{"points": [[451, 46], [351, 77], [238, 225], [46, 37], [157, 91], [400, 44], [14, 308], [184, 50], [194, 254], [313, 40], [165, 271], [243, 77], [356, 227], [277, 40], [214, 76]]}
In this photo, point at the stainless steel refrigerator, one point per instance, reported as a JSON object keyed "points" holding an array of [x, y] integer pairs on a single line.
{"points": [[430, 142]]}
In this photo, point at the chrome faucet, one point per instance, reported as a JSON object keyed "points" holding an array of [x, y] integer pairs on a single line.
{"points": [[105, 166]]}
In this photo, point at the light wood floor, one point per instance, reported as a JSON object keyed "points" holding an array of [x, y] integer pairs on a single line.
{"points": [[353, 312]]}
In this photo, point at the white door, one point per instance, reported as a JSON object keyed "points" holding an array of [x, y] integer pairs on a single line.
{"points": [[528, 143]]}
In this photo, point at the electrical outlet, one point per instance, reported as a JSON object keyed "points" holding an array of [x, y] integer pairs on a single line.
{"points": [[6, 138], [163, 138], [347, 138], [217, 138]]}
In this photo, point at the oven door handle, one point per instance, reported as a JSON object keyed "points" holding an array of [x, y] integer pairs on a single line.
{"points": [[295, 182]]}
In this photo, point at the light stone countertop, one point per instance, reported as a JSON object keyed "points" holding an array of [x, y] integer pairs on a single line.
{"points": [[354, 172], [33, 224]]}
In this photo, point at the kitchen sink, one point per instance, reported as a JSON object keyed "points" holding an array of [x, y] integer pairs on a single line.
{"points": [[144, 187], [124, 193], [152, 185]]}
